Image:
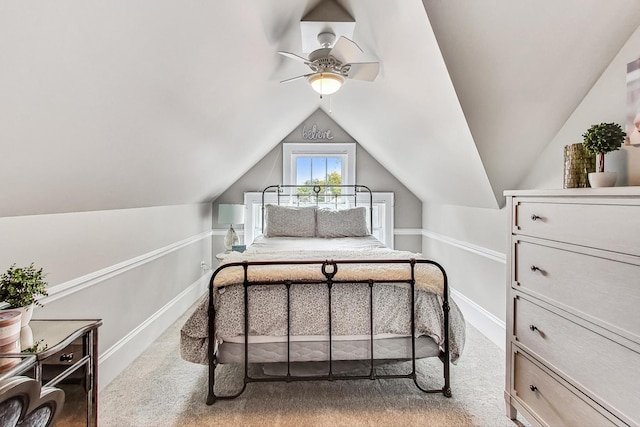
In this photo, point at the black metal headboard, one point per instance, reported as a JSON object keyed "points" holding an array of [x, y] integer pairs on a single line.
{"points": [[315, 194]]}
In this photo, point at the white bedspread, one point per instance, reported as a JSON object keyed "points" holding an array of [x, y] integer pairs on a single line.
{"points": [[275, 244]]}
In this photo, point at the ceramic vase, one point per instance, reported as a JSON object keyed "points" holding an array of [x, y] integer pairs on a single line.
{"points": [[26, 314], [602, 179]]}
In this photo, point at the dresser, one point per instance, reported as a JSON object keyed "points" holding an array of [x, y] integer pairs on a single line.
{"points": [[573, 306]]}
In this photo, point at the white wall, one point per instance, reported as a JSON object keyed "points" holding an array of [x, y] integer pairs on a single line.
{"points": [[136, 269], [606, 102], [471, 243]]}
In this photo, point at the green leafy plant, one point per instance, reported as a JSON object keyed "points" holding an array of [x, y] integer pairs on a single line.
{"points": [[603, 138], [37, 347], [20, 286]]}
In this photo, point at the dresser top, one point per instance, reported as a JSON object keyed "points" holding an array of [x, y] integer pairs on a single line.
{"points": [[579, 192]]}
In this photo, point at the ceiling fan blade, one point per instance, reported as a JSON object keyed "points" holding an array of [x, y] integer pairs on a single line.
{"points": [[346, 50], [367, 71], [296, 78], [294, 56]]}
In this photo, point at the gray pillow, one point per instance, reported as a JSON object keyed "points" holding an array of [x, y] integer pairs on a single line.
{"points": [[342, 223], [290, 221]]}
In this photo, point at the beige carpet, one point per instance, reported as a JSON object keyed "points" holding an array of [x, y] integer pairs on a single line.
{"points": [[160, 389]]}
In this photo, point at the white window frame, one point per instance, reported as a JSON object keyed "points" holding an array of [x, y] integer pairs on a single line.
{"points": [[292, 150]]}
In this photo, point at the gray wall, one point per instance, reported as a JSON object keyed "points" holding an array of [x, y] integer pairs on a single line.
{"points": [[369, 172], [136, 269], [468, 238], [465, 243]]}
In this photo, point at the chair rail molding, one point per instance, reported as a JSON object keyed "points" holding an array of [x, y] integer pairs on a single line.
{"points": [[67, 288], [470, 247]]}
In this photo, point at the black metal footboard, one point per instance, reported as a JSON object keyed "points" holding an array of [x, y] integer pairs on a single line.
{"points": [[329, 268]]}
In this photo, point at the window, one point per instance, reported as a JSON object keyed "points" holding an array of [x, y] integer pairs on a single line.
{"points": [[319, 170], [319, 163]]}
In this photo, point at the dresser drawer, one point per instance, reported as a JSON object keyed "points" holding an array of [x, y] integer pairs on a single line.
{"points": [[551, 399], [68, 356], [604, 226], [605, 368], [608, 290]]}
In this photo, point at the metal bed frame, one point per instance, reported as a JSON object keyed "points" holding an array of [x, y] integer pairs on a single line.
{"points": [[329, 268]]}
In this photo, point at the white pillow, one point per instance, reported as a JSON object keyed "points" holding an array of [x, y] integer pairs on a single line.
{"points": [[342, 223], [290, 221]]}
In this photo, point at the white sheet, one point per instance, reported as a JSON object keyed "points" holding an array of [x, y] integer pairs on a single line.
{"points": [[276, 244]]}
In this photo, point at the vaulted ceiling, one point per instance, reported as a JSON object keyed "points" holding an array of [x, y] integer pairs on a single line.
{"points": [[120, 104]]}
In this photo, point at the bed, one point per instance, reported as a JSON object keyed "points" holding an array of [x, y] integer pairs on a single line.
{"points": [[317, 287]]}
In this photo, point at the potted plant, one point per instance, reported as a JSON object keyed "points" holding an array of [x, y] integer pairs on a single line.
{"points": [[601, 139], [20, 287]]}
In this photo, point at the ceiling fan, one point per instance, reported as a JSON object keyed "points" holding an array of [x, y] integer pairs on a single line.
{"points": [[332, 64]]}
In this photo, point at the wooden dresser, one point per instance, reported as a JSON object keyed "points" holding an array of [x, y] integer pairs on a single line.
{"points": [[573, 306]]}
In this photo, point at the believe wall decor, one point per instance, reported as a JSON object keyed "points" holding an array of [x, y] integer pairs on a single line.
{"points": [[315, 134], [632, 122]]}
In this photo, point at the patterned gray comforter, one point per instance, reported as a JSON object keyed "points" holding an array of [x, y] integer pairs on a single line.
{"points": [[309, 308]]}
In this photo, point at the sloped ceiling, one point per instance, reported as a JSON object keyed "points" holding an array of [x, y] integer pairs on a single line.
{"points": [[108, 105], [520, 68]]}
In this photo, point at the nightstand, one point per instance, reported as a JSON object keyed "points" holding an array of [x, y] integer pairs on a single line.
{"points": [[68, 350], [12, 365]]}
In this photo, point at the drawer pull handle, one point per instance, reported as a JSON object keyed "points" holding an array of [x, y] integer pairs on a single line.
{"points": [[535, 217], [533, 388], [534, 268], [533, 328], [66, 357]]}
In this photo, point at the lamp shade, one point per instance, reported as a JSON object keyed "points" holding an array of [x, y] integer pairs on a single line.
{"points": [[326, 83], [230, 214]]}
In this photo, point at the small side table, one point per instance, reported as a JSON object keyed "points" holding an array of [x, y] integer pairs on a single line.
{"points": [[55, 344]]}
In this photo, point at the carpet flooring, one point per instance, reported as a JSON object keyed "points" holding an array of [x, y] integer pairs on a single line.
{"points": [[160, 389]]}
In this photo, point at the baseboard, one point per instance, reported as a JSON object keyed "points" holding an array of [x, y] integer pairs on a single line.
{"points": [[488, 324], [116, 358]]}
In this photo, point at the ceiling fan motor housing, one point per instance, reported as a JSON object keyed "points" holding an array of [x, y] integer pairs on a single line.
{"points": [[326, 39], [321, 61]]}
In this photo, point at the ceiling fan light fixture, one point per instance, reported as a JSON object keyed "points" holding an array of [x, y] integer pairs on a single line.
{"points": [[326, 83]]}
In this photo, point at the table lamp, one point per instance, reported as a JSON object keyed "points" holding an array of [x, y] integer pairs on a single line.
{"points": [[230, 214]]}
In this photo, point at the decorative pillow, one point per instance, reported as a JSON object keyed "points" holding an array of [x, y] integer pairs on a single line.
{"points": [[290, 221], [342, 223]]}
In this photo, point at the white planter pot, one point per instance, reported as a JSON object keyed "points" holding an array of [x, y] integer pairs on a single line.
{"points": [[26, 337], [27, 313], [602, 179]]}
